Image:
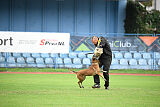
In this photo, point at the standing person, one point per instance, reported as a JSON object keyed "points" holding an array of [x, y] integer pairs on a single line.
{"points": [[105, 59]]}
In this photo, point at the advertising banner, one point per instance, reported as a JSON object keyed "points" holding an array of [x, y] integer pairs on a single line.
{"points": [[34, 42], [119, 43]]}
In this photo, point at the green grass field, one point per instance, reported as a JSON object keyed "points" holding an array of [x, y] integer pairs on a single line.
{"points": [[66, 70], [61, 90]]}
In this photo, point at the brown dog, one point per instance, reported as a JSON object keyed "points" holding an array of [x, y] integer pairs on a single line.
{"points": [[92, 70]]}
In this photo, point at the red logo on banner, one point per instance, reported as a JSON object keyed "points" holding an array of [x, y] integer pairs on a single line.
{"points": [[42, 42], [148, 40]]}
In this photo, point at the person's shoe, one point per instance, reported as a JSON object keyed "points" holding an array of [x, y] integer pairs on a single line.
{"points": [[106, 88], [96, 86]]}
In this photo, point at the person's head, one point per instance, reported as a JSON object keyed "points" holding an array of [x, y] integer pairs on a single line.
{"points": [[94, 40]]}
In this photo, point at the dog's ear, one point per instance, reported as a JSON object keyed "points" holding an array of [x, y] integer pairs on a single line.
{"points": [[93, 57]]}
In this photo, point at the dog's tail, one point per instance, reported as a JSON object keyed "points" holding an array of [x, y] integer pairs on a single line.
{"points": [[72, 71]]}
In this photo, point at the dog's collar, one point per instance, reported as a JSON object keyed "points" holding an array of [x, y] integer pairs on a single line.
{"points": [[94, 62]]}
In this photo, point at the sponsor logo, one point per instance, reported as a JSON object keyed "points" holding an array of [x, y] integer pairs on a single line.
{"points": [[51, 42], [28, 42], [6, 41], [121, 44]]}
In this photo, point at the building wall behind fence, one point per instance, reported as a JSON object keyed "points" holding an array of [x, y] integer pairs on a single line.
{"points": [[76, 16]]}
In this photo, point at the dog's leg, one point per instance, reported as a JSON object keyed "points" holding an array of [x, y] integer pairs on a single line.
{"points": [[82, 85], [98, 72], [84, 77], [79, 83], [81, 79], [101, 76]]}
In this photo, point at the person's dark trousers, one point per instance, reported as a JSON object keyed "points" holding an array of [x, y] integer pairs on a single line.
{"points": [[96, 79], [106, 76], [106, 62]]}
